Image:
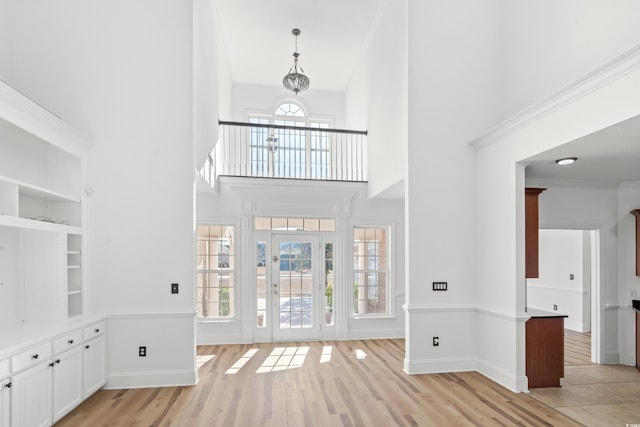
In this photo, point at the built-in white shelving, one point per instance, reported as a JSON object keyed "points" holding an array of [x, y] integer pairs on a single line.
{"points": [[42, 267]]}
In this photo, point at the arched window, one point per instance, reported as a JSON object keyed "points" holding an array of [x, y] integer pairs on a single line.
{"points": [[286, 152], [289, 109]]}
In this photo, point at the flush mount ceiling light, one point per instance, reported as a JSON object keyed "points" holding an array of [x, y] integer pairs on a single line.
{"points": [[295, 81], [566, 161]]}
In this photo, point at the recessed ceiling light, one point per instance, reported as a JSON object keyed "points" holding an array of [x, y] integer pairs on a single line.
{"points": [[566, 161]]}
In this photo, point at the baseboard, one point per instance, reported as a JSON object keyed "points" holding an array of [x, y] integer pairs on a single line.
{"points": [[187, 377], [365, 334], [438, 366], [611, 358], [494, 373]]}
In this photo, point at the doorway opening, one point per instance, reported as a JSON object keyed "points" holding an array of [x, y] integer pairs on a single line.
{"points": [[294, 281], [569, 283]]}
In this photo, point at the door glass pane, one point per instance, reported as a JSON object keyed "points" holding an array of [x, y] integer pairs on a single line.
{"points": [[296, 285], [328, 284], [261, 277]]}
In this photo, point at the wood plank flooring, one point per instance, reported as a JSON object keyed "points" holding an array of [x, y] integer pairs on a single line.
{"points": [[332, 383], [594, 395], [577, 348]]}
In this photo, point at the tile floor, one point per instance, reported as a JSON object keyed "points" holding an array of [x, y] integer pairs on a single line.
{"points": [[596, 395]]}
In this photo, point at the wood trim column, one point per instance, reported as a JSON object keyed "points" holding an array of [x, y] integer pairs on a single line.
{"points": [[531, 231], [636, 213]]}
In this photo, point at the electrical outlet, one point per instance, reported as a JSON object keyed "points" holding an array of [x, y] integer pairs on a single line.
{"points": [[142, 351], [555, 307], [571, 277], [436, 341], [632, 292], [174, 288]]}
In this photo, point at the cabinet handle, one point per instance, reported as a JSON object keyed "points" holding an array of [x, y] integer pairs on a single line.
{"points": [[97, 330], [35, 356], [57, 360], [51, 364], [7, 385], [70, 341], [87, 346]]}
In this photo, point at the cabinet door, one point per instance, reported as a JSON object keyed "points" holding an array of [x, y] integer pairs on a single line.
{"points": [[94, 365], [5, 401], [67, 382], [31, 397]]}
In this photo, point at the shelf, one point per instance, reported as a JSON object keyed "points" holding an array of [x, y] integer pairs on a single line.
{"points": [[73, 266], [32, 224], [74, 292], [39, 192], [73, 252]]}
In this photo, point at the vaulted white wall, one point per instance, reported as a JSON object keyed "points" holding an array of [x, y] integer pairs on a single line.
{"points": [[548, 44], [250, 99], [452, 78], [376, 100], [122, 73], [211, 80]]}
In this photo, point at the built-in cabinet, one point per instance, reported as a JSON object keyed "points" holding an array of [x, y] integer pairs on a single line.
{"points": [[636, 213], [544, 348], [531, 231], [48, 379], [638, 339], [52, 353], [5, 402]]}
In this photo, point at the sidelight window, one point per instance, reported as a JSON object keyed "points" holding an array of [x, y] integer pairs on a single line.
{"points": [[215, 271]]}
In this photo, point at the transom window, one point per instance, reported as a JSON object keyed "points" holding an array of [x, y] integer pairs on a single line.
{"points": [[288, 152], [289, 109]]}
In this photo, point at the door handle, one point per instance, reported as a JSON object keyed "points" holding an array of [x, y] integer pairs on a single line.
{"points": [[275, 288]]}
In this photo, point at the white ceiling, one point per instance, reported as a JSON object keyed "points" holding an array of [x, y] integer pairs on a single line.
{"points": [[259, 44], [609, 156]]}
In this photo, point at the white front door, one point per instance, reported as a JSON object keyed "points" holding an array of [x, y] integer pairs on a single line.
{"points": [[296, 301]]}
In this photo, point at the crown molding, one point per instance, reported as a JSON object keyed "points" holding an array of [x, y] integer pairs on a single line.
{"points": [[26, 114], [630, 184], [600, 77], [560, 183]]}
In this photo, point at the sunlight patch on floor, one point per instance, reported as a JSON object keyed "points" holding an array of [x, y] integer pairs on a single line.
{"points": [[360, 354], [283, 358], [326, 354], [241, 362], [203, 359]]}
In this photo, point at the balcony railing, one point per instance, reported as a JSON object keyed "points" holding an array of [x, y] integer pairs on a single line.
{"points": [[282, 151]]}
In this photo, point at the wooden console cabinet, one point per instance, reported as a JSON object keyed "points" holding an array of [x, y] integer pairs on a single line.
{"points": [[638, 339], [636, 213], [544, 349], [531, 231]]}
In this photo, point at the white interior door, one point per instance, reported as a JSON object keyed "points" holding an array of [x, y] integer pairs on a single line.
{"points": [[295, 280]]}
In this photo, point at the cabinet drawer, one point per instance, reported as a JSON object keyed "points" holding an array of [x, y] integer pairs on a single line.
{"points": [[4, 368], [31, 357], [94, 330], [70, 340]]}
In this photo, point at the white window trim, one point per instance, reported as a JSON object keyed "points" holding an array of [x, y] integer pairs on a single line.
{"points": [[237, 271], [391, 289]]}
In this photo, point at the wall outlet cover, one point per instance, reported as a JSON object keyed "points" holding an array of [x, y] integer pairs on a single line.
{"points": [[174, 288]]}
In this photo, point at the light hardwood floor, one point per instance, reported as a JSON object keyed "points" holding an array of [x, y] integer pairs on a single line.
{"points": [[332, 383], [594, 395]]}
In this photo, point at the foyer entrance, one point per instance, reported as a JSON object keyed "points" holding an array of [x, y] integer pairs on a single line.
{"points": [[296, 297]]}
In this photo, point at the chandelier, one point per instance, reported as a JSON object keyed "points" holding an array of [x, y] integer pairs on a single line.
{"points": [[295, 81]]}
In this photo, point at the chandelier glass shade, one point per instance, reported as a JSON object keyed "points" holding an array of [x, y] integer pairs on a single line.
{"points": [[295, 80]]}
